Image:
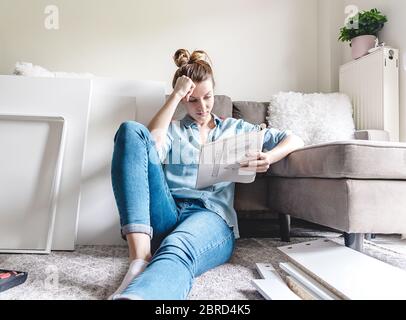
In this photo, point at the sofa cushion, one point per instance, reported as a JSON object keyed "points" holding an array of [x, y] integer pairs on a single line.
{"points": [[345, 159], [353, 206], [223, 108], [316, 118], [253, 112]]}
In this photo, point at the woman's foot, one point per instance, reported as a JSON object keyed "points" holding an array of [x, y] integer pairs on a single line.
{"points": [[136, 267]]}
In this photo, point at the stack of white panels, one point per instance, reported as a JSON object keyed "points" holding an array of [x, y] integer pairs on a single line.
{"points": [[332, 271]]}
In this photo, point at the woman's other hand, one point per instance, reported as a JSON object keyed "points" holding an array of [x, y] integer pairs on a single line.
{"points": [[258, 162], [261, 161], [184, 87]]}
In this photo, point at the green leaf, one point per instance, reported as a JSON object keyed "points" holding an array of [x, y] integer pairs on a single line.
{"points": [[369, 23]]}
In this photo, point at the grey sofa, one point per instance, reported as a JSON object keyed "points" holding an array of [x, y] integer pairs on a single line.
{"points": [[357, 187]]}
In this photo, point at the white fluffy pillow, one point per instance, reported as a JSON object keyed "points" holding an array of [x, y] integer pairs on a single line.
{"points": [[316, 118], [29, 70]]}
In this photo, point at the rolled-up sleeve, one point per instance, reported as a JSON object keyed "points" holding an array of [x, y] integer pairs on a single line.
{"points": [[272, 136]]}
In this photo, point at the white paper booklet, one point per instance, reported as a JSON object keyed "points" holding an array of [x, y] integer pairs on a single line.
{"points": [[219, 160]]}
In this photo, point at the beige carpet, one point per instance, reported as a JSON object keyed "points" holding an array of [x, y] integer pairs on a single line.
{"points": [[94, 272]]}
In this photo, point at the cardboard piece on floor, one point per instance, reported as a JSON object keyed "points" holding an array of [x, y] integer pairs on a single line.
{"points": [[348, 273]]}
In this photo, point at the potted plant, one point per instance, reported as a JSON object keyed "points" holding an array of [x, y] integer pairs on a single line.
{"points": [[362, 31]]}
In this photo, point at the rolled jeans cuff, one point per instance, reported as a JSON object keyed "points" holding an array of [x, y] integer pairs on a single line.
{"points": [[136, 228]]}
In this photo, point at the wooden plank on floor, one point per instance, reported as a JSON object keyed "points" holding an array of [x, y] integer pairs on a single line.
{"points": [[348, 273]]}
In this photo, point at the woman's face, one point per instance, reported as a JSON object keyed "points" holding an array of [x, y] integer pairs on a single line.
{"points": [[201, 101]]}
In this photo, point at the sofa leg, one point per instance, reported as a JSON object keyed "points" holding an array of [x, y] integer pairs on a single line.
{"points": [[370, 236], [284, 227], [354, 241]]}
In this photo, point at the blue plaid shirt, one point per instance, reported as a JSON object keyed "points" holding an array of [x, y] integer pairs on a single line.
{"points": [[181, 168]]}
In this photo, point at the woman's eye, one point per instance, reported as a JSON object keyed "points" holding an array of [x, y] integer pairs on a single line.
{"points": [[196, 100]]}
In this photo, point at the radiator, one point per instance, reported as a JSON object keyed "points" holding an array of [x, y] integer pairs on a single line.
{"points": [[372, 83]]}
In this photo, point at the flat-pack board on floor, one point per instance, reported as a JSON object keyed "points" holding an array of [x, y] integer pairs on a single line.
{"points": [[348, 273]]}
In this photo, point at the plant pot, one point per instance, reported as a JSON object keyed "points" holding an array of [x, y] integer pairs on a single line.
{"points": [[361, 44]]}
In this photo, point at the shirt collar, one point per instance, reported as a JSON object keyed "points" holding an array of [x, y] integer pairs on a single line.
{"points": [[188, 121]]}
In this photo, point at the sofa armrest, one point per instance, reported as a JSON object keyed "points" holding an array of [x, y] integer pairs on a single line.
{"points": [[372, 135]]}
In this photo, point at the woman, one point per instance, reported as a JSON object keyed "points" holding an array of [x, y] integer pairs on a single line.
{"points": [[175, 232]]}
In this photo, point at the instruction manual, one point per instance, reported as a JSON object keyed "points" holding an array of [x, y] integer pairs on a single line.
{"points": [[220, 160]]}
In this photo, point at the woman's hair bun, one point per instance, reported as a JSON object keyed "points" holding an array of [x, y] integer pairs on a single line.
{"points": [[199, 55], [196, 66], [183, 57]]}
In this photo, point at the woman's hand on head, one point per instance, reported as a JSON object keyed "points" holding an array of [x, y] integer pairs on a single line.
{"points": [[184, 87]]}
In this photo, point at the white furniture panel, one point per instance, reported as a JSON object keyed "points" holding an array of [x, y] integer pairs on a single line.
{"points": [[30, 170], [94, 109], [67, 98], [310, 284], [113, 102], [274, 289], [348, 273]]}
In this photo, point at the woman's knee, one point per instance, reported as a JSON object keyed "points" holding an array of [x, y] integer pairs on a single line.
{"points": [[133, 129]]}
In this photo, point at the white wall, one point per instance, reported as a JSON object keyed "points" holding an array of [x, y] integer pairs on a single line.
{"points": [[330, 19], [392, 34], [258, 47]]}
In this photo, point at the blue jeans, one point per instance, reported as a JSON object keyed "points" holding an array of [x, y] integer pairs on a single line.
{"points": [[187, 239]]}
